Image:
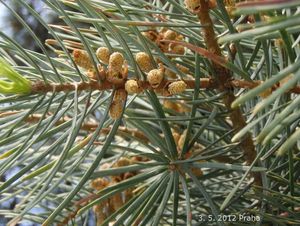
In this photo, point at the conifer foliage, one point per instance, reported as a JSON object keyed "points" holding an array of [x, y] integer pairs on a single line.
{"points": [[148, 112]]}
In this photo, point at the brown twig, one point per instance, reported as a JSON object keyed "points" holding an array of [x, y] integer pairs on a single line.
{"points": [[223, 76], [205, 83], [88, 126], [78, 205], [41, 87]]}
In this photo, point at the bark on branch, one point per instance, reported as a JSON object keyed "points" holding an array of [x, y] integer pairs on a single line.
{"points": [[223, 77]]}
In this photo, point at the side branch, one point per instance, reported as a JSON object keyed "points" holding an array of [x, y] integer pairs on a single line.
{"points": [[223, 76], [87, 126], [205, 83], [41, 87]]}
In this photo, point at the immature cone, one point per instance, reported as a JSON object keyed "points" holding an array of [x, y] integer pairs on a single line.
{"points": [[103, 54], [170, 105], [192, 5], [177, 49], [196, 171], [99, 183], [155, 77], [116, 61], [92, 74], [117, 68], [116, 106], [128, 175], [177, 87], [115, 64], [264, 94], [136, 159], [82, 59], [170, 35], [183, 69], [115, 110], [144, 61], [132, 86], [100, 212], [170, 74], [148, 35], [178, 106], [152, 35], [183, 108], [128, 194], [116, 202], [122, 162]]}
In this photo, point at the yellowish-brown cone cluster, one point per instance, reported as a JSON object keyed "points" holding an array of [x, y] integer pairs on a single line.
{"points": [[166, 34], [177, 87], [177, 106], [117, 70], [155, 77], [117, 104], [117, 73], [170, 74], [112, 204], [144, 61]]}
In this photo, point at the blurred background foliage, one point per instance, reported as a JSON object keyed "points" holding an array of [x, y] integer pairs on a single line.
{"points": [[16, 30], [13, 28]]}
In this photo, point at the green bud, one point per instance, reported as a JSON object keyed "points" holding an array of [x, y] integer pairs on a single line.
{"points": [[11, 82]]}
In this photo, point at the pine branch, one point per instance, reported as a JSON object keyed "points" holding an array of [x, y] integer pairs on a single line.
{"points": [[205, 83], [223, 76], [87, 126]]}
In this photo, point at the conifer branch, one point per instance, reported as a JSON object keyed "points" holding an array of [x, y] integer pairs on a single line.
{"points": [[223, 76], [205, 83]]}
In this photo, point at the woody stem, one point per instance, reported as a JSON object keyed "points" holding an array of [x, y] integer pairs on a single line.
{"points": [[205, 83], [223, 77]]}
